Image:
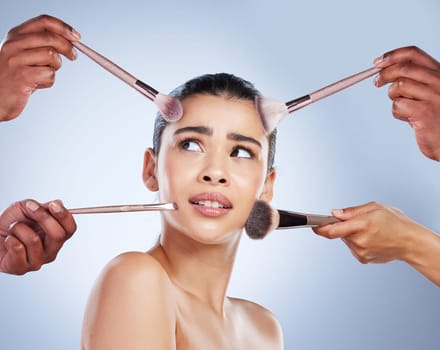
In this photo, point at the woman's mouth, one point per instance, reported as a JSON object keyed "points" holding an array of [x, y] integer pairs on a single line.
{"points": [[211, 204]]}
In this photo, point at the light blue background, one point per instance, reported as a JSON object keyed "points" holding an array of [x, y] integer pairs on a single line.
{"points": [[83, 141]]}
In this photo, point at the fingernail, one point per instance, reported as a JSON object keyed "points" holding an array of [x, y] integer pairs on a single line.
{"points": [[56, 208], [32, 206], [74, 54], [376, 80], [338, 212], [76, 34], [11, 226], [379, 61]]}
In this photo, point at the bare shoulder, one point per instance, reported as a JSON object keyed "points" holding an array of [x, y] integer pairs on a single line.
{"points": [[132, 296], [135, 267], [134, 274], [262, 320]]}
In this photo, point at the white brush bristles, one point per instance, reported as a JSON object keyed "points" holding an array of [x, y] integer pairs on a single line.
{"points": [[271, 112]]}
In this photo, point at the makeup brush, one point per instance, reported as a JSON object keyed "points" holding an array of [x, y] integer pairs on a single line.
{"points": [[272, 111], [170, 107], [124, 208], [263, 219]]}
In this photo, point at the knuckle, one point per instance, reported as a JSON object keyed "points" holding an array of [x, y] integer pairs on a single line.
{"points": [[72, 229], [363, 256], [41, 214], [413, 50], [47, 37], [44, 18], [363, 260], [35, 266], [8, 45], [364, 225], [33, 241], [51, 257], [58, 237], [406, 68], [20, 272]]}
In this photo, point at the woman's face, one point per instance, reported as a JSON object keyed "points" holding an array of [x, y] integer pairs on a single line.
{"points": [[212, 163]]}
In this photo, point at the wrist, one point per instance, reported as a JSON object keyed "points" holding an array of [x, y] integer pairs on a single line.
{"points": [[417, 243]]}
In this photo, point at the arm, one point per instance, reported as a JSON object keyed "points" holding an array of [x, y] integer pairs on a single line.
{"points": [[31, 235], [415, 91], [377, 233], [131, 307], [29, 58]]}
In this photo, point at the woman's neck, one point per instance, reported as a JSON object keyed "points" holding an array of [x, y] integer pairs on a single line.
{"points": [[199, 269]]}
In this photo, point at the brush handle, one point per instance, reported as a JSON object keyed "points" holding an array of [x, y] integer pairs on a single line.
{"points": [[117, 71], [290, 219], [124, 208], [314, 220], [331, 89]]}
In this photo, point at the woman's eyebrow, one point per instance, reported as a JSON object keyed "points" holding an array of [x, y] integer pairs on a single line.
{"points": [[240, 137], [197, 129], [208, 131]]}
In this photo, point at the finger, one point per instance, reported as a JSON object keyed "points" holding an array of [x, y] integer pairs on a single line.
{"points": [[406, 54], [403, 87], [38, 78], [14, 261], [47, 23], [64, 217], [39, 40], [32, 243], [42, 56], [355, 251], [341, 229], [15, 212], [350, 212], [412, 111], [409, 70], [54, 234]]}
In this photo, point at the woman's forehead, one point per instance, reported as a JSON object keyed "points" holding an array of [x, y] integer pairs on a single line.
{"points": [[221, 113]]}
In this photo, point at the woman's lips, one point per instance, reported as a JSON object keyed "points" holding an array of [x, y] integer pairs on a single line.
{"points": [[211, 204]]}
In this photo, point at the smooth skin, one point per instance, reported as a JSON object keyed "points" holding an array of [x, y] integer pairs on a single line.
{"points": [[31, 233], [174, 295], [376, 233]]}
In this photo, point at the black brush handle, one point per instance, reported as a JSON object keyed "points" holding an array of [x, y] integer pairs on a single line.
{"points": [[290, 219]]}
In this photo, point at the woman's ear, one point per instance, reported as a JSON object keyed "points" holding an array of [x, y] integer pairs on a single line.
{"points": [[149, 171], [267, 193]]}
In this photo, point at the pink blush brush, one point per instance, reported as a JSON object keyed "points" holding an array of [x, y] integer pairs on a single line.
{"points": [[263, 220], [272, 111], [170, 107]]}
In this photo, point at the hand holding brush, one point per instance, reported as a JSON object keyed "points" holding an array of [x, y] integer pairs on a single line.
{"points": [[263, 220]]}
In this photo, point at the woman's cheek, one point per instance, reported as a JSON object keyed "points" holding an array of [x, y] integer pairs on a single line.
{"points": [[250, 176]]}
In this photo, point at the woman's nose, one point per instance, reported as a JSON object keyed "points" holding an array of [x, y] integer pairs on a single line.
{"points": [[214, 172], [215, 179]]}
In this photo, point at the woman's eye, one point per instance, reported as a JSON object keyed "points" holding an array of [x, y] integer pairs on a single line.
{"points": [[190, 145], [242, 153]]}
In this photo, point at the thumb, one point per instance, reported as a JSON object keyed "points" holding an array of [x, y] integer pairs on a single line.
{"points": [[350, 212]]}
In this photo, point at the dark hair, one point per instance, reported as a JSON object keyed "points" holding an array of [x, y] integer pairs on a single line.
{"points": [[220, 84]]}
